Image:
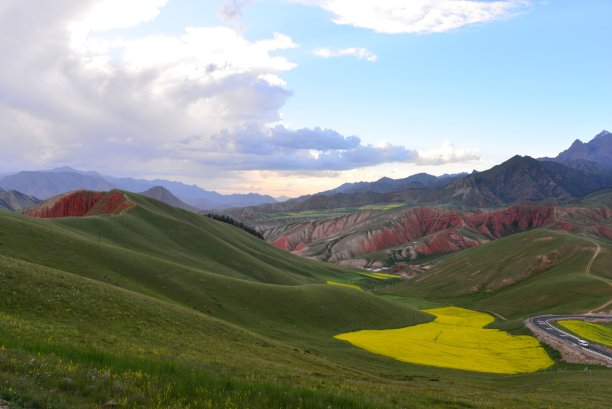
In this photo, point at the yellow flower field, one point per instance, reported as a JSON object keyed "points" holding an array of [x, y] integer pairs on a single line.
{"points": [[354, 287], [381, 276], [590, 331], [455, 339]]}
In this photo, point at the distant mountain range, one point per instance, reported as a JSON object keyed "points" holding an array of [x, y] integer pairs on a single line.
{"points": [[388, 185], [522, 179], [582, 169], [14, 201], [45, 184]]}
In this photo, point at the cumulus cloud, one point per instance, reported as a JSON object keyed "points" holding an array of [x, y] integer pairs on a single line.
{"points": [[417, 16], [260, 148], [72, 93], [447, 153], [360, 53]]}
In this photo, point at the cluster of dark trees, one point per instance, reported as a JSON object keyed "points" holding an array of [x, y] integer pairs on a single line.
{"points": [[226, 219]]}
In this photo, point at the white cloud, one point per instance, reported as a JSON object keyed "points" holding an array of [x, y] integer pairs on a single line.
{"points": [[360, 53], [417, 16], [105, 15], [204, 54], [75, 99], [196, 103], [447, 153]]}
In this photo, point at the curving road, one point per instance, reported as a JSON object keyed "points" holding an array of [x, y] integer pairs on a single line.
{"points": [[544, 323]]}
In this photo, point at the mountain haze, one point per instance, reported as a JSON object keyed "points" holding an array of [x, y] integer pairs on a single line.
{"points": [[521, 179], [13, 200], [46, 184], [388, 185]]}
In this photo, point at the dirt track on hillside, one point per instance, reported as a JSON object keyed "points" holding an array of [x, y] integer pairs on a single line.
{"points": [[588, 272]]}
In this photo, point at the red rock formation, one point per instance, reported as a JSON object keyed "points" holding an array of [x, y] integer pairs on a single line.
{"points": [[513, 219], [297, 237], [411, 225], [444, 242], [81, 203], [425, 231], [604, 231], [282, 243]]}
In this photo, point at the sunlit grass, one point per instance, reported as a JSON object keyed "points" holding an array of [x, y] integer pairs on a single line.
{"points": [[455, 339], [382, 206], [354, 287], [382, 276]]}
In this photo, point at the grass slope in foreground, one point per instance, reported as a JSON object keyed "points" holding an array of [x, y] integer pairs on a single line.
{"points": [[176, 310], [72, 342]]}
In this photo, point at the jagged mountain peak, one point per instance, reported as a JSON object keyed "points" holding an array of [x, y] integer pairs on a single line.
{"points": [[576, 143], [595, 154]]}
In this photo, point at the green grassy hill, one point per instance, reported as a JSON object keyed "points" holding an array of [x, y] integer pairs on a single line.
{"points": [[535, 272], [176, 255], [173, 309]]}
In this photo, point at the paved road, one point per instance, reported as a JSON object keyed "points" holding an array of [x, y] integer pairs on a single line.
{"points": [[544, 323]]}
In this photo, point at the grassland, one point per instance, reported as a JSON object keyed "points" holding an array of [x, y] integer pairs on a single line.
{"points": [[589, 330], [455, 339], [382, 206], [305, 215], [172, 309], [530, 273]]}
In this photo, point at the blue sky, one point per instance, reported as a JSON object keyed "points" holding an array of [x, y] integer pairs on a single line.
{"points": [[529, 84], [268, 99]]}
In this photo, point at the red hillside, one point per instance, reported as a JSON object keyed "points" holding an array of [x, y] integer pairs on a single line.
{"points": [[81, 203]]}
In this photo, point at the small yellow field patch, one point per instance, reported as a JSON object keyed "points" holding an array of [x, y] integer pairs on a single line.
{"points": [[589, 330], [455, 339], [381, 276], [354, 287]]}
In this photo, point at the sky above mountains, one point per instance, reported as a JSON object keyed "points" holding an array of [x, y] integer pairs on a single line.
{"points": [[287, 97]]}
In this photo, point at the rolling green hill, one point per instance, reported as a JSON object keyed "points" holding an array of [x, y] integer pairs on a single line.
{"points": [[158, 307], [536, 272]]}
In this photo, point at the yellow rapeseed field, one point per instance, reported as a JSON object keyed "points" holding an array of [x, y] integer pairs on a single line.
{"points": [[354, 287], [381, 276], [455, 339], [590, 331]]}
